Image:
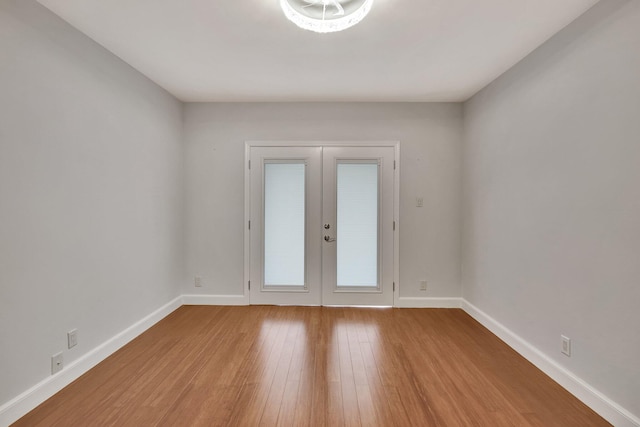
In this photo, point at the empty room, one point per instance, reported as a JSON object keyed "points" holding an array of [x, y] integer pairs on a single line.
{"points": [[320, 213]]}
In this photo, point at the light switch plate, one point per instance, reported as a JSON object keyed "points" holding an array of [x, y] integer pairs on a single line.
{"points": [[72, 338]]}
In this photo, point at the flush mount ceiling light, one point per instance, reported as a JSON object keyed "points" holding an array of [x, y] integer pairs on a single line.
{"points": [[325, 16]]}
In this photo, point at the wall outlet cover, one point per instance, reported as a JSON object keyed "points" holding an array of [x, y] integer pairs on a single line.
{"points": [[56, 363], [566, 345]]}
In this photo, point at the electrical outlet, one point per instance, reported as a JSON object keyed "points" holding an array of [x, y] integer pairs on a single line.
{"points": [[56, 363], [419, 202], [423, 285], [72, 338], [566, 345], [197, 281]]}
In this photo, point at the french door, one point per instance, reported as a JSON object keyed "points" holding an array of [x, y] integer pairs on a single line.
{"points": [[321, 224]]}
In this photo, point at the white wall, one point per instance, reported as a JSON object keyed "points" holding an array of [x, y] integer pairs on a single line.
{"points": [[430, 137], [552, 199], [90, 194]]}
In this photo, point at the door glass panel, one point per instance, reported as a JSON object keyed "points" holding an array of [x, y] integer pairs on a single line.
{"points": [[357, 224], [284, 224]]}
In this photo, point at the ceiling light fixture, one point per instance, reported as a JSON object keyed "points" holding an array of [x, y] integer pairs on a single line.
{"points": [[325, 16]]}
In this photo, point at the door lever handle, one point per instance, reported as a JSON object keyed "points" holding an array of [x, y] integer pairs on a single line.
{"points": [[329, 239]]}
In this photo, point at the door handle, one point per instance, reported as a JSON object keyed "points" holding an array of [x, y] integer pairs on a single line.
{"points": [[329, 239]]}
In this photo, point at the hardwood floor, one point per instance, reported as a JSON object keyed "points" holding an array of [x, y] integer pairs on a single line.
{"points": [[312, 366]]}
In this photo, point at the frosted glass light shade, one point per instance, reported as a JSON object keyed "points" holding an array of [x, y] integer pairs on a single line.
{"points": [[325, 16]]}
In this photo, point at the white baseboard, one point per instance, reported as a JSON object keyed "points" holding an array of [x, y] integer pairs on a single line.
{"points": [[608, 409], [419, 302], [605, 407], [25, 402], [215, 300]]}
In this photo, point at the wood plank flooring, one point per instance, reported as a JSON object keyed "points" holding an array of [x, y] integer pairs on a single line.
{"points": [[313, 366]]}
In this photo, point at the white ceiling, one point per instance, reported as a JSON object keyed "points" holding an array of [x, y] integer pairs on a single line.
{"points": [[246, 50]]}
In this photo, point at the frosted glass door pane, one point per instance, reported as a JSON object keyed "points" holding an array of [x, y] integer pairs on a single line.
{"points": [[357, 224], [284, 221]]}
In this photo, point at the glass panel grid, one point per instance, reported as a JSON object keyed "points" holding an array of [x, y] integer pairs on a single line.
{"points": [[284, 224], [357, 224]]}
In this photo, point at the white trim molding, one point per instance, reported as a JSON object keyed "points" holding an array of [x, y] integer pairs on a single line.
{"points": [[605, 407], [31, 398], [27, 401], [215, 299], [422, 302], [395, 144]]}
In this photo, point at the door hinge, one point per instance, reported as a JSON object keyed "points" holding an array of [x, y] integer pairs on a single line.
{"points": [[394, 286], [250, 164], [394, 226], [249, 284], [249, 225], [394, 165]]}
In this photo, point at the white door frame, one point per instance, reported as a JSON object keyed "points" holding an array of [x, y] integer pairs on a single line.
{"points": [[396, 199]]}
